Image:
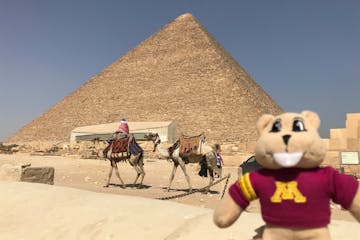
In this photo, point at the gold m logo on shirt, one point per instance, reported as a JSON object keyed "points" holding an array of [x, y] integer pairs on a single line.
{"points": [[287, 191]]}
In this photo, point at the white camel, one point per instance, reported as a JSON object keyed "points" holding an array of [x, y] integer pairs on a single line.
{"points": [[205, 156]]}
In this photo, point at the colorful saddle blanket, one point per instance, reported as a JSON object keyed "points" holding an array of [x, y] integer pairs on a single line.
{"points": [[117, 146], [190, 145], [120, 145]]}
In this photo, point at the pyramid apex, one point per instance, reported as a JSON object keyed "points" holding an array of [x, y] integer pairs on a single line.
{"points": [[185, 16]]}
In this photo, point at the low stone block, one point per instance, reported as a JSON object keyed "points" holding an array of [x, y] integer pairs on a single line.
{"points": [[38, 175]]}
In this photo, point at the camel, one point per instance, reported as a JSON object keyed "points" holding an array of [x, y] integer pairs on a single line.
{"points": [[134, 155], [205, 156]]}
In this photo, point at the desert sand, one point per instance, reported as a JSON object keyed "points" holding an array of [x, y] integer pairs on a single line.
{"points": [[77, 206]]}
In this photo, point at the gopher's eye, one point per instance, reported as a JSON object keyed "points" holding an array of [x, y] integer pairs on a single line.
{"points": [[298, 126], [276, 127]]}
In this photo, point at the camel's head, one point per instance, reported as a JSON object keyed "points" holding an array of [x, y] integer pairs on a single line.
{"points": [[154, 137], [151, 136]]}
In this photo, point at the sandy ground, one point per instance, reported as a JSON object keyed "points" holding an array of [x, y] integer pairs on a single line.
{"points": [[41, 212], [89, 174]]}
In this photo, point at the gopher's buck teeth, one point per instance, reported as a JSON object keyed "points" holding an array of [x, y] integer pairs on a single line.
{"points": [[287, 159]]}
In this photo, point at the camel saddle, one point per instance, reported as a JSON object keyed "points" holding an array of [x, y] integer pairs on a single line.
{"points": [[117, 146], [190, 144], [120, 145]]}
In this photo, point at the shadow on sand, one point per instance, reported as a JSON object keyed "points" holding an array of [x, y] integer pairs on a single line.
{"points": [[193, 190], [259, 233], [138, 186]]}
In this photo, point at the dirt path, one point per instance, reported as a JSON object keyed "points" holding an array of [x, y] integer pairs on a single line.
{"points": [[92, 175]]}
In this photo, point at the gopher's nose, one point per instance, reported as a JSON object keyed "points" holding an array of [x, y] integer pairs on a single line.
{"points": [[286, 138]]}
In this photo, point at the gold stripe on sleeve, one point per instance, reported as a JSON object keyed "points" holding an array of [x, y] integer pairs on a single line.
{"points": [[246, 187]]}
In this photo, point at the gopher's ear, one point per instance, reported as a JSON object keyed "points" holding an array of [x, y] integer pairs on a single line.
{"points": [[264, 121], [312, 117]]}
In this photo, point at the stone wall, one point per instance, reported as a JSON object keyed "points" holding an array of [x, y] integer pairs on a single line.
{"points": [[344, 139]]}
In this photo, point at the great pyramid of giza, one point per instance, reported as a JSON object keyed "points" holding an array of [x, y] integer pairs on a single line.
{"points": [[181, 74]]}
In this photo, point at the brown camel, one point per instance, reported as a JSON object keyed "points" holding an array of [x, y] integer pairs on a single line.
{"points": [[134, 155], [206, 157]]}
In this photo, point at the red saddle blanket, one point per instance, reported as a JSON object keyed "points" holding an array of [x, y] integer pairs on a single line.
{"points": [[120, 145]]}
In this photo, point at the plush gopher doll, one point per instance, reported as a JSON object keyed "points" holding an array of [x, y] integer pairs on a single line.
{"points": [[293, 190]]}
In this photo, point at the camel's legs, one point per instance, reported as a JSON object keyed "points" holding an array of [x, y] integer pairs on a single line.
{"points": [[172, 175], [211, 173], [137, 173], [183, 168], [110, 173], [117, 173], [142, 173], [137, 164]]}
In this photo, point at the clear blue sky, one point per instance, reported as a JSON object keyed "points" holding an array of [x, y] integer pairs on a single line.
{"points": [[305, 54]]}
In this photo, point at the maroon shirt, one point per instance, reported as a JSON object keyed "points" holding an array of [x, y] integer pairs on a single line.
{"points": [[293, 197]]}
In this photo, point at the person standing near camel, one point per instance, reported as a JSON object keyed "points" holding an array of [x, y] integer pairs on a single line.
{"points": [[219, 159]]}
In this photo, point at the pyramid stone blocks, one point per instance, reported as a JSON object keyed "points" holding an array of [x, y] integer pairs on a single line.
{"points": [[180, 74]]}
